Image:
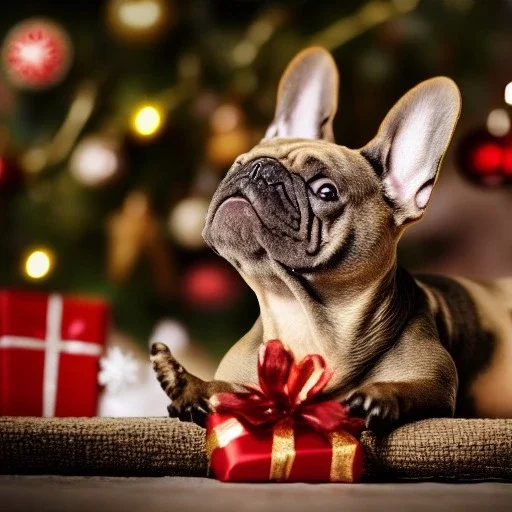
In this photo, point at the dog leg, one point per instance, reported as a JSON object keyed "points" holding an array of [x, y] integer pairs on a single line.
{"points": [[386, 405], [190, 395]]}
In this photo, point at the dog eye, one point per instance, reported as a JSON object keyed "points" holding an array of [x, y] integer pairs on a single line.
{"points": [[324, 189]]}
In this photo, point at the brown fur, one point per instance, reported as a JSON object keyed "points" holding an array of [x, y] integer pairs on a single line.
{"points": [[324, 268]]}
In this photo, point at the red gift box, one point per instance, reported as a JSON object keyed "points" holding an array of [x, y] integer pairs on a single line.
{"points": [[283, 430], [50, 347], [240, 454]]}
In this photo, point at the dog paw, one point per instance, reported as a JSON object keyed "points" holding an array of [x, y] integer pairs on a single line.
{"points": [[377, 403], [186, 391]]}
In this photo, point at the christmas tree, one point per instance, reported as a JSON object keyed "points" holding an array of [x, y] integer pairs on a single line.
{"points": [[119, 118]]}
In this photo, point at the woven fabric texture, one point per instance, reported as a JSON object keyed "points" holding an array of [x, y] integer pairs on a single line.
{"points": [[449, 449]]}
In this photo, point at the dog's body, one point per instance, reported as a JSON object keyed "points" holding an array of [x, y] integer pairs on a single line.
{"points": [[313, 228]]}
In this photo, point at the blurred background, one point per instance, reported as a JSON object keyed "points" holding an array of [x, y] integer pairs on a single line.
{"points": [[118, 118]]}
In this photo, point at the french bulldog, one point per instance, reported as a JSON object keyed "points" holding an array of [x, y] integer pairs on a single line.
{"points": [[313, 229]]}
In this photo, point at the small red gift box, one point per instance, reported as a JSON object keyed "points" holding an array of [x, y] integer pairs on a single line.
{"points": [[239, 454], [50, 347], [283, 431]]}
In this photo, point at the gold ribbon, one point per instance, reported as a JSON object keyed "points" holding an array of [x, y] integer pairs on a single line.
{"points": [[283, 452], [343, 450], [222, 435]]}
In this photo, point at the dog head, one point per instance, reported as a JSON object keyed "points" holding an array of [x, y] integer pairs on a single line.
{"points": [[300, 202]]}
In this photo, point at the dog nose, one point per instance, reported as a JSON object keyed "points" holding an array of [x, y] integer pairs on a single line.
{"points": [[254, 174], [267, 171]]}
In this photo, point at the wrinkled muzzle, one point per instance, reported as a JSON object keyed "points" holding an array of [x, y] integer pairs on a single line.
{"points": [[263, 206], [274, 194]]}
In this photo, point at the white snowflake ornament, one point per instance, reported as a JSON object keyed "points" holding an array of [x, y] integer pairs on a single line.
{"points": [[118, 370]]}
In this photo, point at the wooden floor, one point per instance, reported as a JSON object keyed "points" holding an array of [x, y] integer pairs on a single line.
{"points": [[77, 494]]}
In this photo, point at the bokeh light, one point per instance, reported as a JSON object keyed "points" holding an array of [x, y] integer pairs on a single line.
{"points": [[94, 161], [187, 220], [487, 158], [138, 20], [38, 264], [147, 120], [211, 286], [508, 94], [498, 122]]}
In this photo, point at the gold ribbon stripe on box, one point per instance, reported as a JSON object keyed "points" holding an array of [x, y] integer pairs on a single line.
{"points": [[343, 450], [283, 452]]}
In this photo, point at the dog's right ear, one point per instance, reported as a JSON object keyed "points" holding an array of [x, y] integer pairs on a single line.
{"points": [[307, 97]]}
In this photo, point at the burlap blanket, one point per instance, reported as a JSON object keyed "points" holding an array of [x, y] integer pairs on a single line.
{"points": [[431, 449]]}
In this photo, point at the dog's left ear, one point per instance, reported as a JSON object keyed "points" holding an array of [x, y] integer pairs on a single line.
{"points": [[410, 144], [307, 98]]}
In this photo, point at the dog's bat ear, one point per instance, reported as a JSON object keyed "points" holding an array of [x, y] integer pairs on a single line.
{"points": [[307, 97], [410, 144]]}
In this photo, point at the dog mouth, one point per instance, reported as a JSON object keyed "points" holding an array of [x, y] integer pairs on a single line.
{"points": [[235, 200], [235, 208]]}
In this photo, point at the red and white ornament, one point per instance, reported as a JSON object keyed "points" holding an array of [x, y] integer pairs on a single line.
{"points": [[36, 54]]}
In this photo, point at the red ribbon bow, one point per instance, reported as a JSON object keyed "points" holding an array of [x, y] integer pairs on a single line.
{"points": [[289, 392]]}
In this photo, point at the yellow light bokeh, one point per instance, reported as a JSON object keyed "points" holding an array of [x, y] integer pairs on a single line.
{"points": [[147, 120], [141, 15], [38, 264], [139, 20], [508, 94]]}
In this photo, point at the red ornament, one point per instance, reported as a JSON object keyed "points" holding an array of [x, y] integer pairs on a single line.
{"points": [[211, 286], [486, 159], [36, 54], [506, 161]]}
